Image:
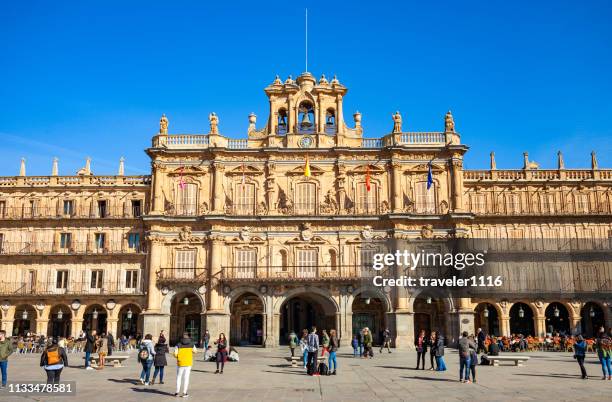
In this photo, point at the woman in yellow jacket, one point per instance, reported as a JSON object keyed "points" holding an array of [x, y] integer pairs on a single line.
{"points": [[183, 352]]}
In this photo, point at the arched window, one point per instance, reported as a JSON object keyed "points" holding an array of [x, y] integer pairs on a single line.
{"points": [[305, 198], [187, 199], [367, 202], [245, 199], [282, 121], [306, 118], [330, 121], [425, 200]]}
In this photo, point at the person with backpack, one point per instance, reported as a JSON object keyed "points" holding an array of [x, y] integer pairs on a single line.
{"points": [[604, 352], [146, 352], [90, 341], [304, 347], [367, 342], [333, 348], [293, 342], [221, 352], [159, 360], [53, 359], [183, 352], [313, 349], [6, 349]]}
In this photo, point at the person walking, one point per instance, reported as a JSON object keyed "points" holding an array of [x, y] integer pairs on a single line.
{"points": [[102, 350], [313, 350], [579, 355], [304, 347], [159, 360], [367, 342], [333, 348], [6, 349], [221, 352], [90, 341], [293, 342], [183, 352], [432, 352], [111, 343], [53, 359], [439, 342], [420, 344], [146, 352], [355, 345], [361, 344], [386, 343], [464, 357], [604, 352], [481, 337]]}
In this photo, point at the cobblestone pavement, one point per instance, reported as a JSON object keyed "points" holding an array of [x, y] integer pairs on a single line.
{"points": [[266, 375]]}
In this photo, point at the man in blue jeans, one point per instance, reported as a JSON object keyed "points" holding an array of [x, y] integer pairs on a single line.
{"points": [[464, 357], [89, 347], [6, 349]]}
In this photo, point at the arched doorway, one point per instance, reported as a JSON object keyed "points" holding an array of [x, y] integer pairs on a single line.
{"points": [[25, 320], [487, 318], [521, 319], [247, 320], [130, 321], [60, 321], [186, 316], [369, 312], [95, 319], [557, 319], [592, 319], [303, 311], [429, 315]]}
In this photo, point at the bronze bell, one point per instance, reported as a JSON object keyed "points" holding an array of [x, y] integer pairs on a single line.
{"points": [[305, 120]]}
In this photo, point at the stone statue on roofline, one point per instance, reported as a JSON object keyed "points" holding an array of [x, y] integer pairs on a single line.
{"points": [[214, 123], [163, 125], [397, 122]]}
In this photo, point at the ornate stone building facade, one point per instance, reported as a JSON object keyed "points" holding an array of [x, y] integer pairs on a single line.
{"points": [[262, 236]]}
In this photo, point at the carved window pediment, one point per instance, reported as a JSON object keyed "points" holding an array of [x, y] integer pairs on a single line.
{"points": [[363, 169], [247, 170], [299, 170], [424, 168], [186, 170]]}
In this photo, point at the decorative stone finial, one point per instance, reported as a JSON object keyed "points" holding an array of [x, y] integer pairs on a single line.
{"points": [[214, 123], [289, 81], [449, 123], [560, 162], [335, 80], [22, 169], [397, 122], [493, 164], [252, 121], [85, 171], [54, 168], [277, 81], [594, 164], [163, 125], [357, 118], [529, 164], [121, 171], [323, 80]]}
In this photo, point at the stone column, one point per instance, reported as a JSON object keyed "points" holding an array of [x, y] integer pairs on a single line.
{"points": [[270, 187], [504, 325], [339, 116], [396, 191], [76, 326], [153, 294], [8, 317], [218, 200], [540, 325], [158, 196], [42, 325], [291, 115], [217, 320], [403, 320], [111, 327], [457, 184]]}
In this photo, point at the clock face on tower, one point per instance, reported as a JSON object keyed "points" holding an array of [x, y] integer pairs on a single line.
{"points": [[306, 141]]}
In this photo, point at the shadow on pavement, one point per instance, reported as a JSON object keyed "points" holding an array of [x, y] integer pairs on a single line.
{"points": [[286, 372], [430, 379], [125, 380], [576, 376], [152, 391]]}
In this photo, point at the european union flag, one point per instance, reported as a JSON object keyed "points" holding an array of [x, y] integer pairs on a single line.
{"points": [[429, 176]]}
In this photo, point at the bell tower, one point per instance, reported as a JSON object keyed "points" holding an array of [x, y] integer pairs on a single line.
{"points": [[307, 113]]}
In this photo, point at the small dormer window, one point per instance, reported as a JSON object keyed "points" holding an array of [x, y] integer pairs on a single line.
{"points": [[306, 117]]}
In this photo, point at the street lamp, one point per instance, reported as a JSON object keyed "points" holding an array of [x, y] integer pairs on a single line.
{"points": [[367, 300], [60, 314], [246, 302], [486, 312], [429, 300], [557, 312], [24, 315], [129, 313], [94, 315], [186, 301], [592, 312], [521, 312]]}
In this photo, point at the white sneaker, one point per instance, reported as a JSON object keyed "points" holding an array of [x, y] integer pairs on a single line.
{"points": [[88, 368], [142, 381], [146, 384], [185, 396]]}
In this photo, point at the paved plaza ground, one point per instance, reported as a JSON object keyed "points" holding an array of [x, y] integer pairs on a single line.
{"points": [[265, 375]]}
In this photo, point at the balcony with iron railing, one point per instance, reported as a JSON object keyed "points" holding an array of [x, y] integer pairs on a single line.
{"points": [[181, 275], [69, 288], [28, 212], [556, 209], [297, 273], [69, 248]]}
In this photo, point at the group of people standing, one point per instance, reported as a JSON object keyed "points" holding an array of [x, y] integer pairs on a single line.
{"points": [[435, 343], [310, 343]]}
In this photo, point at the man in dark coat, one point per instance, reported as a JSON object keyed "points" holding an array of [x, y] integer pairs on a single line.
{"points": [[111, 343], [481, 340], [90, 340]]}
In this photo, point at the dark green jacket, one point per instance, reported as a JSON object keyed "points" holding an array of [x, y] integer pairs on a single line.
{"points": [[367, 339], [6, 349]]}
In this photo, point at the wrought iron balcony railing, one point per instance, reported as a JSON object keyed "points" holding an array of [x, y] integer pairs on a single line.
{"points": [[67, 288], [28, 212], [556, 209], [181, 275], [69, 248], [297, 272]]}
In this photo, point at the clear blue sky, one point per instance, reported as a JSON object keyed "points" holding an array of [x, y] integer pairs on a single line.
{"points": [[81, 80]]}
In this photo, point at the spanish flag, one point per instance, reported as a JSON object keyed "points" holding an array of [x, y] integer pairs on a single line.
{"points": [[367, 179], [307, 167]]}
